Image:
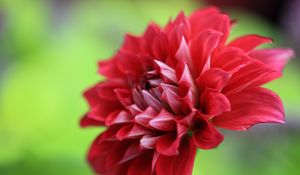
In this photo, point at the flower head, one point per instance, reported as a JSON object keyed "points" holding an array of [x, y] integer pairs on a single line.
{"points": [[166, 93]]}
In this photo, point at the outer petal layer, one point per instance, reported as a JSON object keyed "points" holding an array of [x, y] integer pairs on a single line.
{"points": [[249, 42], [250, 107], [181, 164], [276, 59]]}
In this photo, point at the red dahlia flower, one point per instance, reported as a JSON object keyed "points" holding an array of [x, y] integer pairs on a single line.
{"points": [[168, 91]]}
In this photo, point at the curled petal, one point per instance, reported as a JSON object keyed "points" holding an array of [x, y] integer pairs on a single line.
{"points": [[134, 109], [214, 103], [206, 137], [164, 121], [184, 74], [201, 49], [186, 86], [214, 78], [152, 101], [249, 107], [138, 99], [187, 93], [149, 141], [118, 117], [131, 131], [168, 144], [172, 99], [144, 117], [166, 71], [249, 42], [165, 87]]}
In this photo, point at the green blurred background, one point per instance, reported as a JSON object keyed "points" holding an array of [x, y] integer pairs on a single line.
{"points": [[48, 55]]}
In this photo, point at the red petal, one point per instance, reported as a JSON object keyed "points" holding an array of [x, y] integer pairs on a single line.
{"points": [[167, 72], [124, 96], [214, 78], [126, 62], [202, 47], [148, 38], [131, 131], [92, 96], [182, 164], [134, 109], [276, 59], [160, 46], [164, 121], [106, 89], [172, 99], [206, 137], [104, 156], [110, 133], [215, 103], [86, 121], [118, 117], [149, 141], [182, 22], [249, 42], [138, 99], [144, 117], [183, 54], [132, 43], [152, 101], [109, 69], [231, 60], [120, 152], [141, 165], [97, 154], [131, 152], [99, 113], [177, 30], [252, 75], [103, 109], [184, 75], [186, 86], [250, 107], [168, 144], [210, 18]]}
